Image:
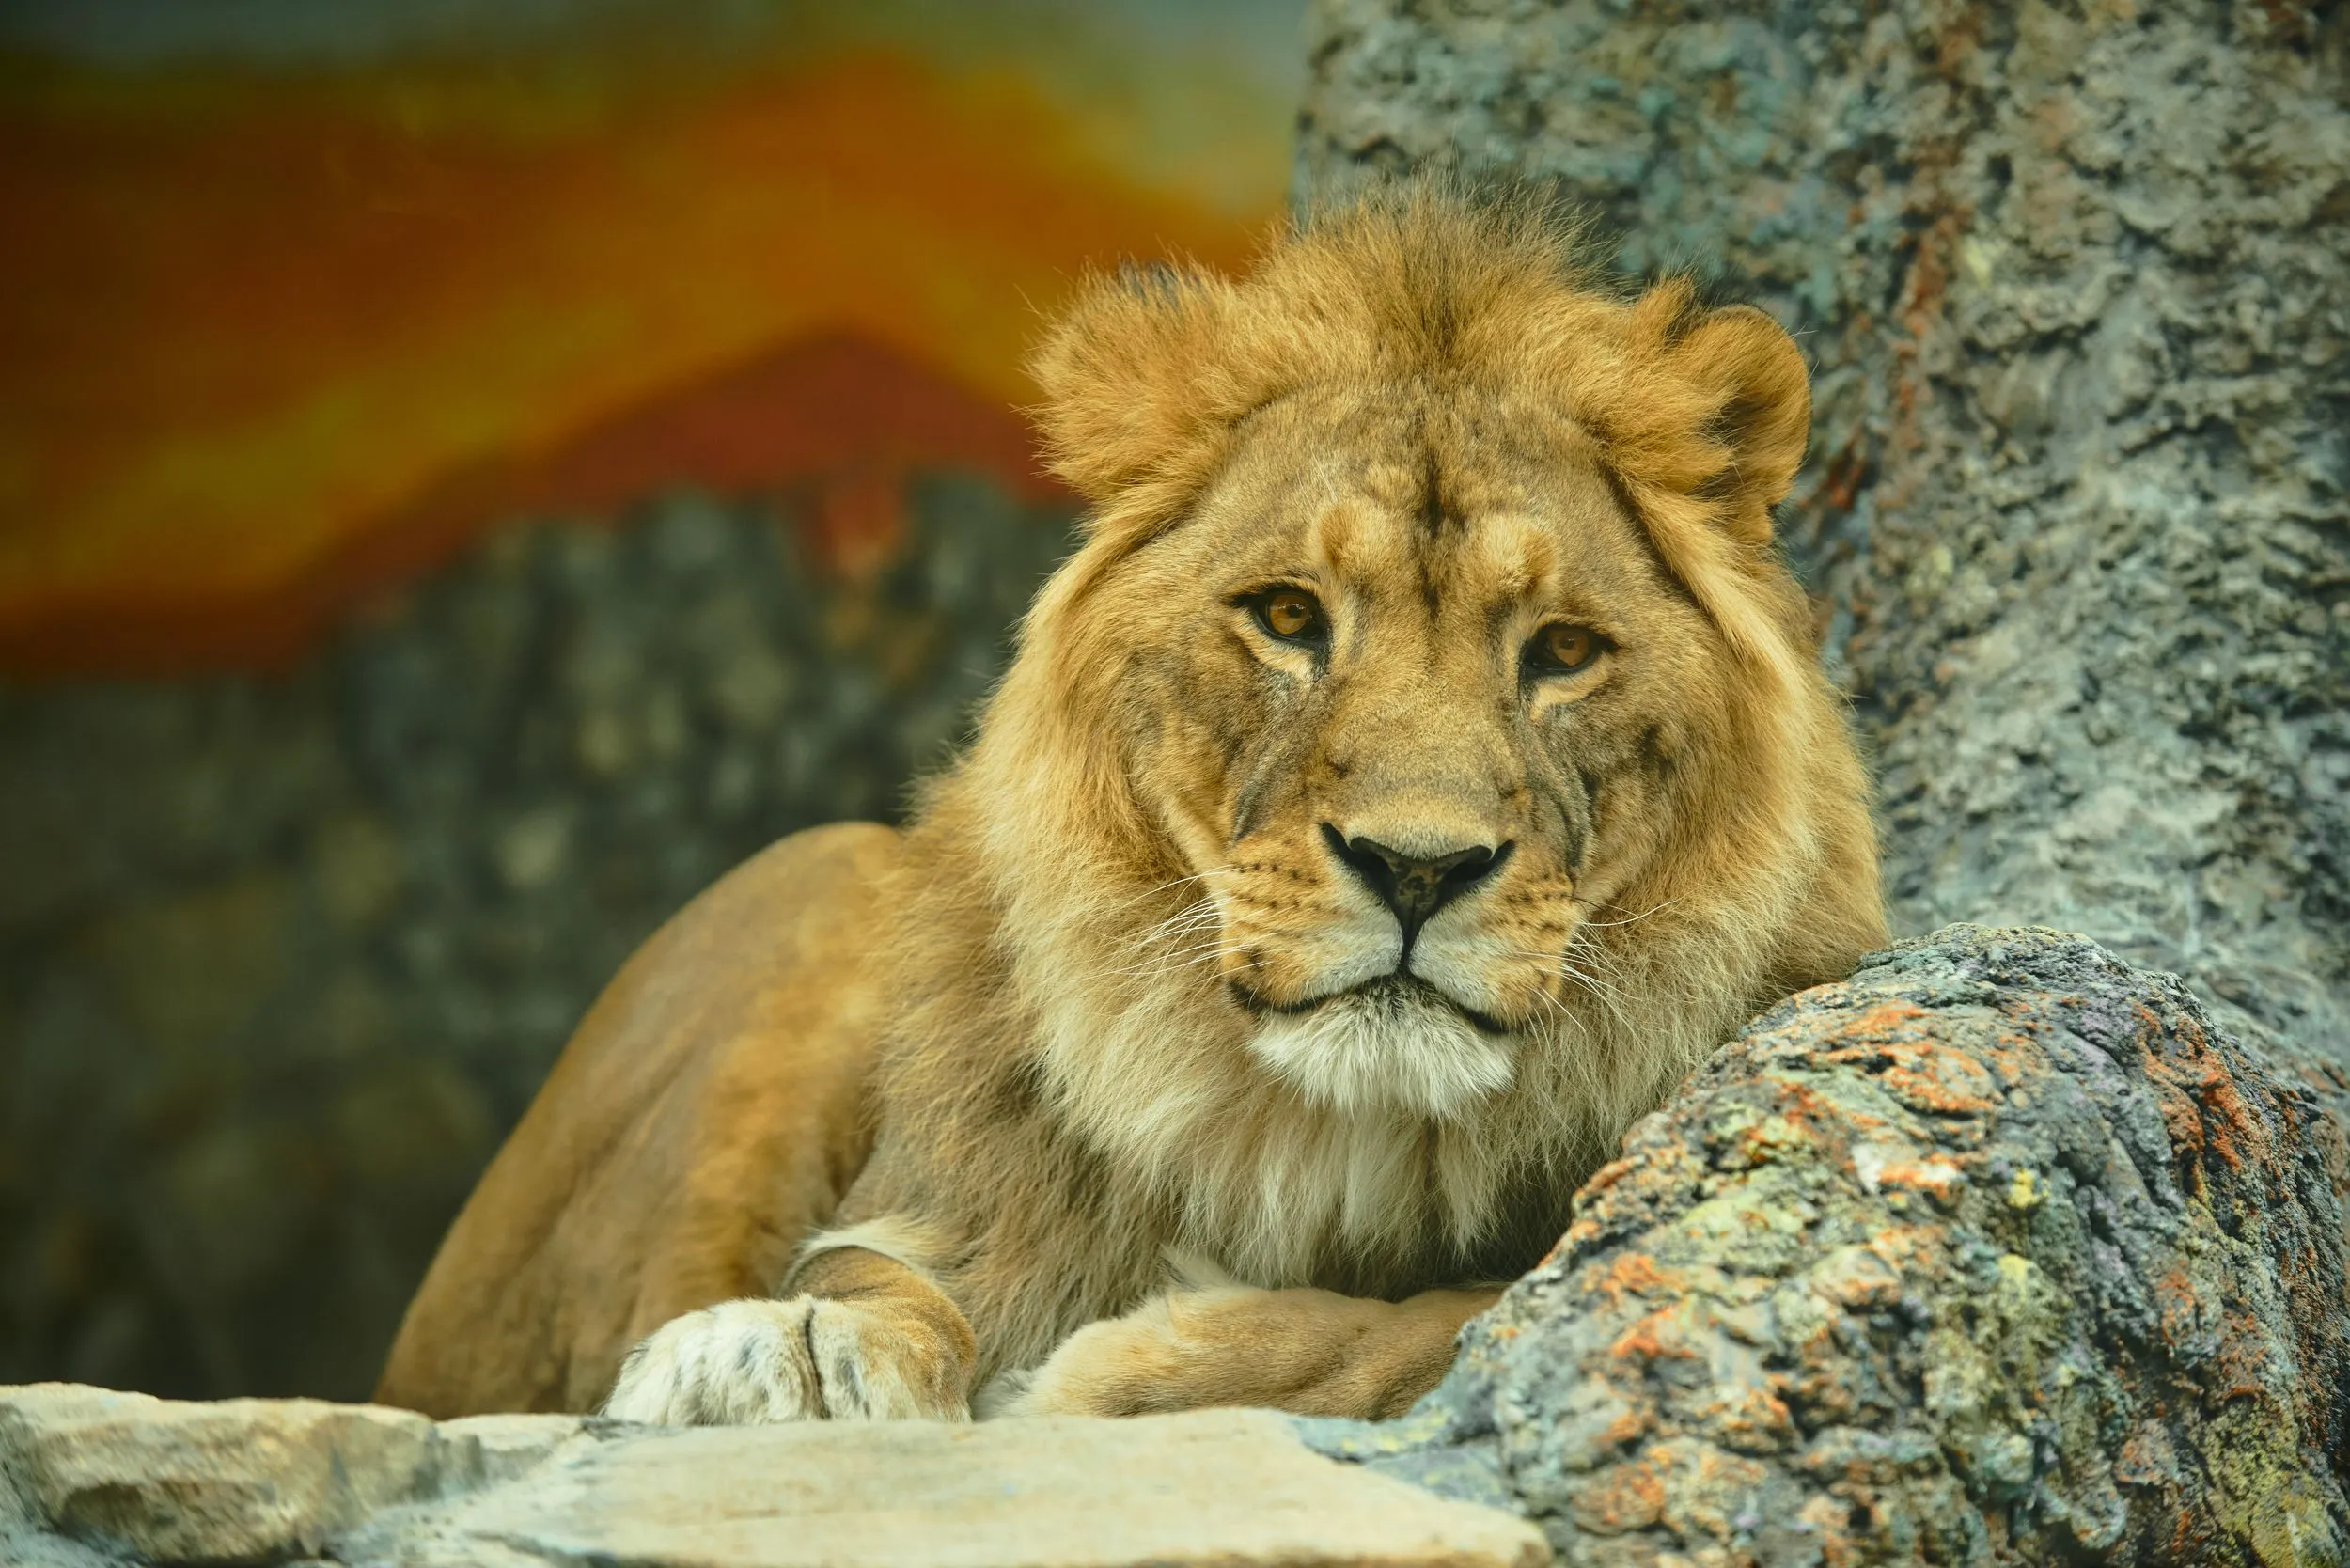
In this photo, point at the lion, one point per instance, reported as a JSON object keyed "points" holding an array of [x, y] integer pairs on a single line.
{"points": [[1422, 761]]}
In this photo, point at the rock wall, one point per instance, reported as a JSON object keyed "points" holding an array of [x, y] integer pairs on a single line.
{"points": [[1998, 1252], [281, 959], [2075, 283]]}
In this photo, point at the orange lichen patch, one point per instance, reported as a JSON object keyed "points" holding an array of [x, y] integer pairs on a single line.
{"points": [[1629, 1427], [1627, 1497], [1923, 1075], [2181, 1308], [1796, 1124], [1656, 1337], [1829, 1522], [2202, 1109], [1881, 1022], [2012, 1057], [2181, 1123], [2189, 1536], [1937, 1179], [1911, 1248], [2234, 1133], [2244, 1366], [1607, 1176], [1753, 1421], [1846, 472], [1929, 1088], [2148, 1457], [1631, 1272], [1816, 1116], [1582, 1232], [1703, 1483]]}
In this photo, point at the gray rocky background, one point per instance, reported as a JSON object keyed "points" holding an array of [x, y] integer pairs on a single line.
{"points": [[282, 958], [2075, 280]]}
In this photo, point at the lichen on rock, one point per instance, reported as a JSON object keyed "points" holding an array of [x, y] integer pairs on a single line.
{"points": [[1999, 1251]]}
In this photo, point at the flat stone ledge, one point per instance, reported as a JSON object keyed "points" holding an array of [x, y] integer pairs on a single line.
{"points": [[91, 1478]]}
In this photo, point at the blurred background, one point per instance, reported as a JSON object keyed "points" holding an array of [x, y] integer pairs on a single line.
{"points": [[469, 474]]}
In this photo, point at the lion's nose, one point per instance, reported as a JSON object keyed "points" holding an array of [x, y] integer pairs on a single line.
{"points": [[1413, 887]]}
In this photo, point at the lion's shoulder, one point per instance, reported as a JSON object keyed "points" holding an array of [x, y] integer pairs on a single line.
{"points": [[709, 1103]]}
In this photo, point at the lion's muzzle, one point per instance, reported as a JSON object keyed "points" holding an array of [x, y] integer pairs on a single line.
{"points": [[1415, 886]]}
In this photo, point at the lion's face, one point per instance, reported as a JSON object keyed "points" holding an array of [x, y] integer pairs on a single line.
{"points": [[1425, 757], [1407, 691]]}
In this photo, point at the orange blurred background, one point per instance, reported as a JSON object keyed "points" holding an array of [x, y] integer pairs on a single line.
{"points": [[296, 299]]}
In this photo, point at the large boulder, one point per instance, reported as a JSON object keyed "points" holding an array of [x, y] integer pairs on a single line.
{"points": [[1998, 1252]]}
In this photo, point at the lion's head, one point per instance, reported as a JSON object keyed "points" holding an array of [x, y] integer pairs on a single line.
{"points": [[1425, 757]]}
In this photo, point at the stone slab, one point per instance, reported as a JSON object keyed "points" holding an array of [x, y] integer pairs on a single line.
{"points": [[236, 1481], [88, 1477]]}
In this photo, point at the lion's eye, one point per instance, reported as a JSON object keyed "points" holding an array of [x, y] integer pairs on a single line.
{"points": [[1291, 614], [1562, 649]]}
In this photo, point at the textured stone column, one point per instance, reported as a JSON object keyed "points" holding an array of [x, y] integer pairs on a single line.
{"points": [[2076, 282]]}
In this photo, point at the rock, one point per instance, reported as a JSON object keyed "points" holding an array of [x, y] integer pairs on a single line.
{"points": [[242, 1481], [1998, 1252], [86, 1476], [1214, 1487]]}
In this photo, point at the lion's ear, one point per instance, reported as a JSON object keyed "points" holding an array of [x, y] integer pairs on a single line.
{"points": [[1133, 377], [1728, 410], [1764, 420], [1711, 422]]}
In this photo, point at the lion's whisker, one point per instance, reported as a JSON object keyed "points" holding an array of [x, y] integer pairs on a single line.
{"points": [[1630, 920]]}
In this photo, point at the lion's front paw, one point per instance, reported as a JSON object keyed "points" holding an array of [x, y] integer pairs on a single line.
{"points": [[805, 1359], [1131, 1366], [1309, 1352]]}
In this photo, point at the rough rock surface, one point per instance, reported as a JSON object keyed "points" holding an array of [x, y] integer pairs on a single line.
{"points": [[91, 1479], [1998, 1252], [2076, 282]]}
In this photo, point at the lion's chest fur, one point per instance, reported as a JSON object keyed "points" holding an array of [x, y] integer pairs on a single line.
{"points": [[1275, 1190], [1360, 1204]]}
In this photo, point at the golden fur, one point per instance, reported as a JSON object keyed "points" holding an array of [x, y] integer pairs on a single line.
{"points": [[1149, 995]]}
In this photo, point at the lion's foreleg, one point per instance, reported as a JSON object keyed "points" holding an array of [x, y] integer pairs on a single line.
{"points": [[865, 1338], [1311, 1352]]}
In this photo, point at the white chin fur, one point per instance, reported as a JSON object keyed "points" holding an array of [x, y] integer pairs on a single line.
{"points": [[1391, 1050]]}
